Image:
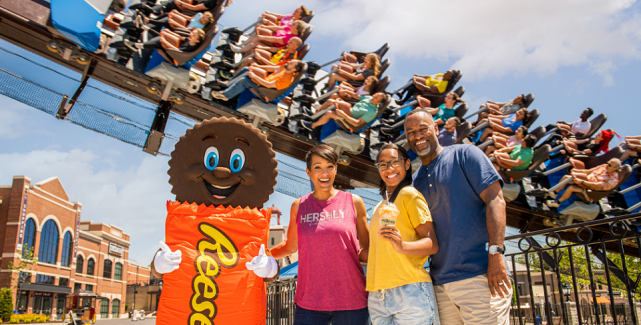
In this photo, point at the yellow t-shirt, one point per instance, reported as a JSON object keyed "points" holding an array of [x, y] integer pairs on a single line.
{"points": [[441, 85], [385, 267]]}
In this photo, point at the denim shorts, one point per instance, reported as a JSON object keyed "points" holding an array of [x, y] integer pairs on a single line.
{"points": [[411, 304], [304, 316]]}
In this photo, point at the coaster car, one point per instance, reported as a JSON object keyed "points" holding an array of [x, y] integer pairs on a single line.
{"points": [[590, 207], [262, 105], [345, 138], [80, 22]]}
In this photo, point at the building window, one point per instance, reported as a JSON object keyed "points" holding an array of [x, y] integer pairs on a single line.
{"points": [[519, 288], [115, 308], [44, 279], [67, 246], [77, 286], [49, 243], [79, 264], [89, 287], [104, 308], [63, 282], [106, 271], [90, 266], [29, 237], [22, 302], [273, 239], [118, 272]]}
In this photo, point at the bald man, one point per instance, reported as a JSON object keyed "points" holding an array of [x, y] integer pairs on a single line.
{"points": [[463, 191]]}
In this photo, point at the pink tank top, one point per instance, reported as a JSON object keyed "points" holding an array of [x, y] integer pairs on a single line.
{"points": [[330, 277]]}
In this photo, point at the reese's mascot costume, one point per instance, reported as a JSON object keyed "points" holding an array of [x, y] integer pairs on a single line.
{"points": [[213, 260]]}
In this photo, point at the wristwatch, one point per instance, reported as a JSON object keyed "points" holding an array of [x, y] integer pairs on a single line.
{"points": [[495, 249]]}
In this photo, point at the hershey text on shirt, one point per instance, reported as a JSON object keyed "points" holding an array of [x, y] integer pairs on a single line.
{"points": [[325, 215]]}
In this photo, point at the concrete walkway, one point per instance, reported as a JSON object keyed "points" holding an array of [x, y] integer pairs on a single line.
{"points": [[126, 321]]}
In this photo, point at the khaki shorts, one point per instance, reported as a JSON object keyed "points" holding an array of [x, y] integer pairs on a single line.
{"points": [[470, 302]]}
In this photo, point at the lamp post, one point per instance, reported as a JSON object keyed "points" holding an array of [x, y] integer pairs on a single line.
{"points": [[133, 304], [567, 291], [22, 276]]}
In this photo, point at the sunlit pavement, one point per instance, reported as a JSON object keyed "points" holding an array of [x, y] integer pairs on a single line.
{"points": [[127, 321]]}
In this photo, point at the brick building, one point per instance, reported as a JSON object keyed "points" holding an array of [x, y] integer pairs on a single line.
{"points": [[277, 234], [71, 254]]}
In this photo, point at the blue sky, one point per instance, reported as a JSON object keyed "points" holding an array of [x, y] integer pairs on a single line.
{"points": [[571, 55]]}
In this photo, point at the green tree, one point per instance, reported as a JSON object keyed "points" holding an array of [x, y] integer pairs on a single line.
{"points": [[633, 266], [6, 304], [580, 262], [26, 265]]}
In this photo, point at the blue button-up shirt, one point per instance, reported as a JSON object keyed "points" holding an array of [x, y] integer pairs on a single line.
{"points": [[452, 184]]}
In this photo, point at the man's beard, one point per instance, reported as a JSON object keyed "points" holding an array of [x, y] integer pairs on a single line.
{"points": [[425, 151]]}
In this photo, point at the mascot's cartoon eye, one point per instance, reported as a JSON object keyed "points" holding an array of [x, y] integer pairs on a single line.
{"points": [[211, 158], [237, 160]]}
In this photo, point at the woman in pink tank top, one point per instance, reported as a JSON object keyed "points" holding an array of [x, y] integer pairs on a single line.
{"points": [[329, 230]]}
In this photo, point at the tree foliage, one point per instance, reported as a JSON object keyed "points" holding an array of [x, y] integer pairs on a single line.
{"points": [[581, 271], [6, 304], [25, 265]]}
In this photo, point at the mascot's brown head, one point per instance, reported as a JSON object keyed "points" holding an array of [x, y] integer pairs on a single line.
{"points": [[223, 161]]}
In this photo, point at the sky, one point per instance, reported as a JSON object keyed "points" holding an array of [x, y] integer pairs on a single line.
{"points": [[570, 54]]}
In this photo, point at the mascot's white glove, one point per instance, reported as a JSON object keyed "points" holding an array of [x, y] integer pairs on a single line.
{"points": [[263, 266], [167, 261]]}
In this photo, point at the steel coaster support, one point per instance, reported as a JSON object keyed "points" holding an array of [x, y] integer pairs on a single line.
{"points": [[485, 144], [330, 62], [411, 82], [67, 103], [157, 131], [412, 103], [476, 113], [547, 258], [479, 127], [614, 269]]}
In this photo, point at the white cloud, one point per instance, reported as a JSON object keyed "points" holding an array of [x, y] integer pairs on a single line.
{"points": [[604, 69], [13, 119], [487, 39], [133, 199]]}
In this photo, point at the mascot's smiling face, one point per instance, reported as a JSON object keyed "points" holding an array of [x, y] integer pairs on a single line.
{"points": [[223, 162]]}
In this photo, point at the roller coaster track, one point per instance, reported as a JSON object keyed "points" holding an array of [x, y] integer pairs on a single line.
{"points": [[25, 24]]}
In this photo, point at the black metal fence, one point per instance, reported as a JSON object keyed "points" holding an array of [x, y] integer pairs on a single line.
{"points": [[577, 274], [583, 274], [280, 302], [588, 312]]}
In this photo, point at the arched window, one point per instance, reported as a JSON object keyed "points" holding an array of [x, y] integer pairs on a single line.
{"points": [[90, 266], [104, 308], [67, 250], [29, 237], [106, 271], [115, 308], [79, 264], [49, 243], [118, 272]]}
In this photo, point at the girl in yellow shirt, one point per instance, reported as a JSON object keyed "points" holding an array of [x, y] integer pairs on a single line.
{"points": [[400, 289]]}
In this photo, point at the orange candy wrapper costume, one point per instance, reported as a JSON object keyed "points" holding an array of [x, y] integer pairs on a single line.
{"points": [[212, 284]]}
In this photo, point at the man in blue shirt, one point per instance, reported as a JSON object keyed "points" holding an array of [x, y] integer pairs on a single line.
{"points": [[463, 192], [447, 134]]}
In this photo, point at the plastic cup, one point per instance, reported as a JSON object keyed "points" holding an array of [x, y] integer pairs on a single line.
{"points": [[387, 214]]}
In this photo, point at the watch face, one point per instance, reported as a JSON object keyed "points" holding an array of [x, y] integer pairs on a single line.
{"points": [[493, 249]]}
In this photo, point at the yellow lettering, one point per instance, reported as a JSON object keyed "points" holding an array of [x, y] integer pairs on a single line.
{"points": [[207, 304], [229, 256], [202, 303], [199, 319], [211, 268]]}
